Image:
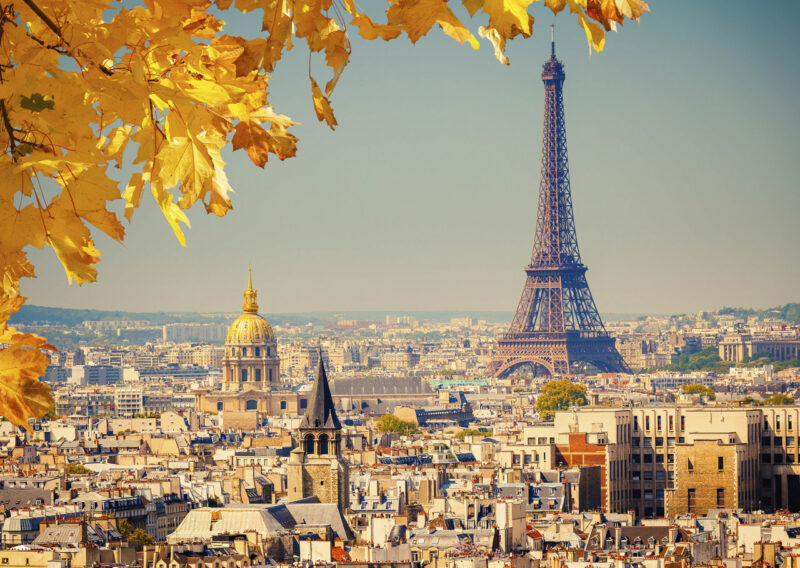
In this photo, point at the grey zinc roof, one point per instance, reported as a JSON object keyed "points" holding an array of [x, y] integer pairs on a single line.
{"points": [[321, 412]]}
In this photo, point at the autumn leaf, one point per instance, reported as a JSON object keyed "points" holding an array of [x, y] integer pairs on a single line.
{"points": [[322, 106], [22, 396]]}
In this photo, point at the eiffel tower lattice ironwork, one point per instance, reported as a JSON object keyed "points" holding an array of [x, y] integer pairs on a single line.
{"points": [[556, 323]]}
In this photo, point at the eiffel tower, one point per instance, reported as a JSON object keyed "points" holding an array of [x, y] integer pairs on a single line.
{"points": [[556, 325]]}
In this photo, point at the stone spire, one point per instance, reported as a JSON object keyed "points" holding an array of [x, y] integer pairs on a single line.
{"points": [[321, 413]]}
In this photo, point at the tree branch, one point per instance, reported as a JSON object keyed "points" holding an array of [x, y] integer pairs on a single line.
{"points": [[56, 30], [9, 129]]}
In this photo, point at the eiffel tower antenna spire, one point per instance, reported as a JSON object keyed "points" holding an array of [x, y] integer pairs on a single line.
{"points": [[553, 41], [556, 323]]}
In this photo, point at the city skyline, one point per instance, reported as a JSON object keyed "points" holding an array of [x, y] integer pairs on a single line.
{"points": [[702, 213]]}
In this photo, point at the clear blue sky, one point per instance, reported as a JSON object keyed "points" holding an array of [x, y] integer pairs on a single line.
{"points": [[683, 136]]}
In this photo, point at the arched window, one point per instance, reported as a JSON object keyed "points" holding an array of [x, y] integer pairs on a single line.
{"points": [[219, 406], [308, 442], [251, 405], [258, 352], [244, 375], [258, 375], [323, 445], [283, 405]]}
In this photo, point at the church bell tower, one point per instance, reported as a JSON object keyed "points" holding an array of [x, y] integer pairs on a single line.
{"points": [[316, 467]]}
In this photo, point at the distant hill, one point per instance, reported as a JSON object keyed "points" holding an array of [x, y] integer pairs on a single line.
{"points": [[31, 314], [788, 312]]}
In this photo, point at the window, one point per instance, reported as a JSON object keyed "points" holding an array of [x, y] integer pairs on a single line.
{"points": [[689, 465], [258, 352], [790, 440], [270, 374], [258, 375], [635, 423], [636, 494], [766, 440], [778, 440], [648, 458], [648, 476], [659, 441], [690, 497], [244, 375], [660, 458], [635, 442], [789, 424], [219, 406], [648, 443], [659, 493], [683, 422], [720, 463], [309, 443], [251, 405], [658, 423], [636, 458], [778, 458], [671, 425], [244, 351], [661, 475], [283, 405], [720, 497], [647, 423], [777, 422], [766, 458], [303, 403]]}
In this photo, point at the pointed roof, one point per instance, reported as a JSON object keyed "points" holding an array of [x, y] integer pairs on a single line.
{"points": [[320, 413]]}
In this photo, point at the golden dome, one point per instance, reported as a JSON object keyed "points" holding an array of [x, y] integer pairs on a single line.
{"points": [[250, 327]]}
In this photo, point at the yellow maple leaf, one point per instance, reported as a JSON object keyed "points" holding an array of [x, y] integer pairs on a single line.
{"points": [[417, 17], [322, 105], [595, 34], [22, 395]]}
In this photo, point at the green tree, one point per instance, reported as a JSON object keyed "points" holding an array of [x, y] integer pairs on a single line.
{"points": [[125, 529], [391, 423], [141, 537], [559, 395], [76, 469], [470, 432], [702, 390], [779, 399]]}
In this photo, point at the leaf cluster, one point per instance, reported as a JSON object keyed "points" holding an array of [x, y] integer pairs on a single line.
{"points": [[87, 87], [559, 394]]}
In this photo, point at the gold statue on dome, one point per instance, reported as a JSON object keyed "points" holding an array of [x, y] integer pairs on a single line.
{"points": [[250, 305]]}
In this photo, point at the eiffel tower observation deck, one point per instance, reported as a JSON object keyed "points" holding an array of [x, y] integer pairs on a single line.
{"points": [[556, 329]]}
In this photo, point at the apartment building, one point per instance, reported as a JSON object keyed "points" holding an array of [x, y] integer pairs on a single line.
{"points": [[671, 459]]}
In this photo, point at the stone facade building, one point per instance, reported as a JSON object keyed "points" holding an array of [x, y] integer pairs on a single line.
{"points": [[316, 468], [251, 369]]}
